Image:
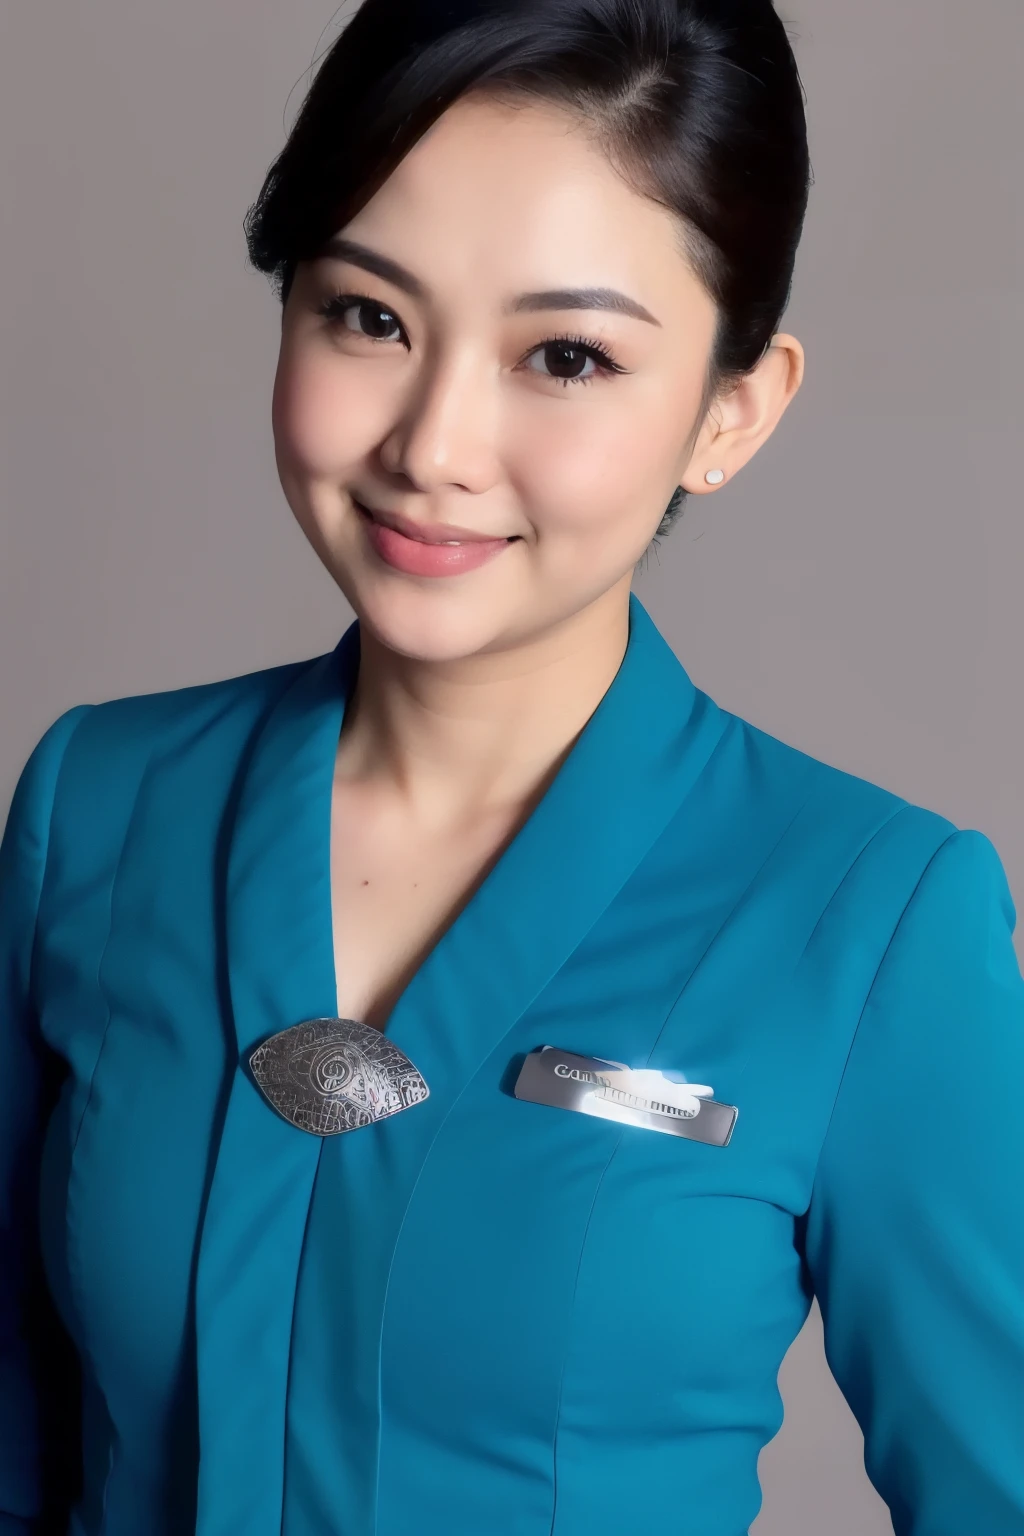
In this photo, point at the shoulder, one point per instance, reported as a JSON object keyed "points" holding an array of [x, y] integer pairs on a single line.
{"points": [[173, 714], [776, 764], [93, 756], [881, 844], [26, 835], [141, 725]]}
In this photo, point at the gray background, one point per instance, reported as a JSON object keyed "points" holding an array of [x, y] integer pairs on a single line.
{"points": [[856, 591]]}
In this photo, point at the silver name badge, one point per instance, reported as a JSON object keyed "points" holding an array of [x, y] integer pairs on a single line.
{"points": [[632, 1096], [332, 1075]]}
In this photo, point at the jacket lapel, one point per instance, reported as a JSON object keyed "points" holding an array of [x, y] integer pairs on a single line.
{"points": [[624, 779], [280, 968], [626, 776]]}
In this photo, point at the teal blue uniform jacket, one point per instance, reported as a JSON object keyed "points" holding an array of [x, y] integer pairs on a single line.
{"points": [[486, 1316]]}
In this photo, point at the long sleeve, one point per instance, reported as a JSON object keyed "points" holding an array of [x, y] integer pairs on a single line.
{"points": [[23, 851], [914, 1238]]}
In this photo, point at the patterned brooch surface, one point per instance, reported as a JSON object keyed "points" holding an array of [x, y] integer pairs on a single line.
{"points": [[331, 1075]]}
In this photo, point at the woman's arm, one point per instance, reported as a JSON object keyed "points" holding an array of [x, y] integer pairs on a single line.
{"points": [[915, 1232], [22, 1109]]}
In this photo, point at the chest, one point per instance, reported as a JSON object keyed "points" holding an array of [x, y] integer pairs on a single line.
{"points": [[395, 887], [476, 1249]]}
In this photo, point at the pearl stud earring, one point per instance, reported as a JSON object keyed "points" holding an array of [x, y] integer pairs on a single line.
{"points": [[715, 476]]}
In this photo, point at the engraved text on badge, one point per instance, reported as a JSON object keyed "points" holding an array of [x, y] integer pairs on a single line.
{"points": [[609, 1090]]}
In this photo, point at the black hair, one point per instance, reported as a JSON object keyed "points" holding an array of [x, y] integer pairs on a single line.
{"points": [[697, 103]]}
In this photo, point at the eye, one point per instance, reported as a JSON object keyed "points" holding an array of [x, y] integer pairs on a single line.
{"points": [[371, 318], [567, 357]]}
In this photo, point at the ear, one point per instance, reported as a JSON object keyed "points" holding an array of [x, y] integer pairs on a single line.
{"points": [[743, 418]]}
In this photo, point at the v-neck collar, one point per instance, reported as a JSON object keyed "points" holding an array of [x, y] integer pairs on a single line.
{"points": [[623, 780]]}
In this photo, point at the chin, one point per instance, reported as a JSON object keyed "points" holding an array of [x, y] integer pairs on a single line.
{"points": [[432, 626]]}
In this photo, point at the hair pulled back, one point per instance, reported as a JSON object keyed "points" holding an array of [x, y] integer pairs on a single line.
{"points": [[697, 104]]}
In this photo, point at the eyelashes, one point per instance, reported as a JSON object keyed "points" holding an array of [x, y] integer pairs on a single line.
{"points": [[335, 306], [595, 350]]}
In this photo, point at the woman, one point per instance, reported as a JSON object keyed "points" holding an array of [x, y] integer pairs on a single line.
{"points": [[439, 1075]]}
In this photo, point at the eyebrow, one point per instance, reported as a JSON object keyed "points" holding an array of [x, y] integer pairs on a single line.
{"points": [[340, 248]]}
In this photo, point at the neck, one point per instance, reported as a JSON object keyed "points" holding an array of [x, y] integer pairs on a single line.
{"points": [[483, 734]]}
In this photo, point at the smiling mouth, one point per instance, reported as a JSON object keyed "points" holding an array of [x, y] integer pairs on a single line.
{"points": [[383, 521]]}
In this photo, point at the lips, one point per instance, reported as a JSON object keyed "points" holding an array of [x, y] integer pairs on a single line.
{"points": [[431, 533], [428, 550]]}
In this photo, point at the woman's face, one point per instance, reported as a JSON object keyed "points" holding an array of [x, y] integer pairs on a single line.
{"points": [[436, 372]]}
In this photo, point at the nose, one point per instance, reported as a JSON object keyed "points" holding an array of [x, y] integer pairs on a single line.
{"points": [[446, 432]]}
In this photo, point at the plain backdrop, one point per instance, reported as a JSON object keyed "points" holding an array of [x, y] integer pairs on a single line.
{"points": [[856, 591]]}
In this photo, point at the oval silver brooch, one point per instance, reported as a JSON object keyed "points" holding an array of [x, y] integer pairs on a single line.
{"points": [[326, 1076]]}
